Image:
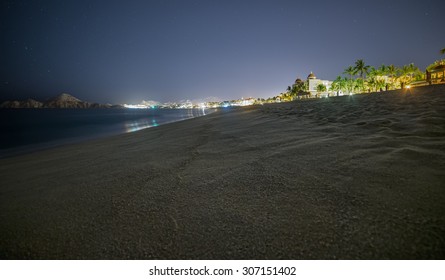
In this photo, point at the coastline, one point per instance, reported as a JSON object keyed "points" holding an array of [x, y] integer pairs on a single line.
{"points": [[352, 177], [30, 130]]}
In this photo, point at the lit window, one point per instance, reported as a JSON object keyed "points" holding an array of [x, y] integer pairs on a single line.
{"points": [[440, 75]]}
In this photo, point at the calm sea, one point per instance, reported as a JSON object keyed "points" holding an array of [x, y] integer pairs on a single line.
{"points": [[28, 130]]}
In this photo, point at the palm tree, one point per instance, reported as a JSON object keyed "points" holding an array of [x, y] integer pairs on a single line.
{"points": [[380, 83], [384, 77], [338, 84], [321, 88], [344, 84], [350, 84], [373, 72], [350, 71], [392, 73], [404, 75], [361, 68], [383, 70], [413, 71], [299, 87], [359, 85], [371, 79], [371, 83], [391, 70]]}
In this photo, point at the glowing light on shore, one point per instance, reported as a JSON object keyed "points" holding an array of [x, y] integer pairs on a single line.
{"points": [[138, 106]]}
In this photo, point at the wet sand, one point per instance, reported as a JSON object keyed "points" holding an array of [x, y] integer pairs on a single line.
{"points": [[353, 177]]}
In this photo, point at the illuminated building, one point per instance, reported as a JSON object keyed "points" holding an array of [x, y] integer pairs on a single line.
{"points": [[436, 75]]}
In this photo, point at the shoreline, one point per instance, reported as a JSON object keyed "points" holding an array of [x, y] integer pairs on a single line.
{"points": [[352, 177], [61, 141]]}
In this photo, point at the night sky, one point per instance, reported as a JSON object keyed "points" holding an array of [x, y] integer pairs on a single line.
{"points": [[127, 51]]}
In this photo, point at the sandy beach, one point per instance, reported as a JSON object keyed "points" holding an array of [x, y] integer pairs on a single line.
{"points": [[352, 177]]}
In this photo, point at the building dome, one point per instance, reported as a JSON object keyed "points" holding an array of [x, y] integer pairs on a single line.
{"points": [[298, 81], [311, 76]]}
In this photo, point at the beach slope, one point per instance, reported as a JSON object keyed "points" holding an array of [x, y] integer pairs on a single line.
{"points": [[353, 177]]}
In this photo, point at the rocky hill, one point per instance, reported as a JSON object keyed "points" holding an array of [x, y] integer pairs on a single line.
{"points": [[63, 100], [28, 103]]}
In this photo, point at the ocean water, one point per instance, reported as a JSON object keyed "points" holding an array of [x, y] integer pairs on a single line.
{"points": [[28, 130]]}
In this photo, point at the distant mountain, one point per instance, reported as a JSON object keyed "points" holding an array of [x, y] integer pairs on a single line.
{"points": [[28, 103], [63, 100]]}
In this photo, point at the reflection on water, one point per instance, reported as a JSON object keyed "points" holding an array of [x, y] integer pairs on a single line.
{"points": [[131, 126], [152, 120]]}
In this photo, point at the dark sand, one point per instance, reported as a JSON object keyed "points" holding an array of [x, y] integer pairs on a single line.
{"points": [[359, 177]]}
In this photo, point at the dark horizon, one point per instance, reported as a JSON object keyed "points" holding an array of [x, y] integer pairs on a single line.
{"points": [[125, 52]]}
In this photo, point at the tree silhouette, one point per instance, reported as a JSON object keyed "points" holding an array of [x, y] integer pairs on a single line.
{"points": [[350, 71], [321, 88], [361, 68]]}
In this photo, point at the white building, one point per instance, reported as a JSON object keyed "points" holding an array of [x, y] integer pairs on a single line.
{"points": [[313, 82], [311, 85]]}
